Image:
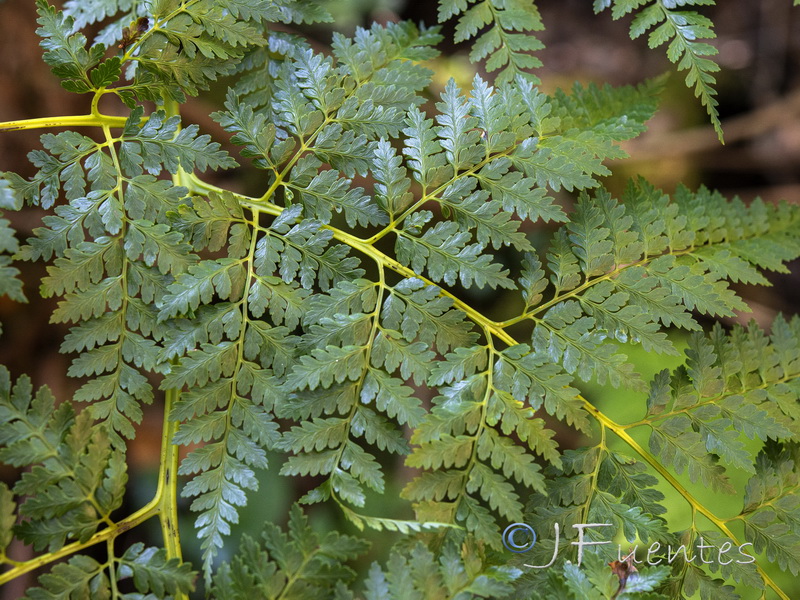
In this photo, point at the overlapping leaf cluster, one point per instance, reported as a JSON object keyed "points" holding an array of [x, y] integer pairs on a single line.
{"points": [[74, 481], [730, 385], [77, 480], [299, 564], [170, 48], [304, 562], [734, 386]]}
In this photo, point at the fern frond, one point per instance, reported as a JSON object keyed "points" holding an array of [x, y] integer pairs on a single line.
{"points": [[704, 408], [600, 259], [771, 514], [499, 44], [10, 284], [456, 574], [76, 480], [299, 564], [153, 572], [126, 267], [326, 319], [66, 54], [684, 30]]}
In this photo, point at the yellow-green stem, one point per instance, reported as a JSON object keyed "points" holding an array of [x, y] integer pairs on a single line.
{"points": [[168, 473], [168, 481], [112, 571], [92, 120], [137, 518]]}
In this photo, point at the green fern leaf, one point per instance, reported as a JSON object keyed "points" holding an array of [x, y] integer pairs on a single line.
{"points": [[683, 30], [65, 51], [167, 146], [153, 572], [502, 48], [418, 311], [443, 252], [771, 512], [79, 576], [76, 480], [296, 565]]}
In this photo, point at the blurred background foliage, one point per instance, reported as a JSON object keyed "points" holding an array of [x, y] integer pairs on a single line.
{"points": [[759, 102]]}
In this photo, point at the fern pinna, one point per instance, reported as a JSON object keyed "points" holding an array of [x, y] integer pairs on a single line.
{"points": [[331, 320]]}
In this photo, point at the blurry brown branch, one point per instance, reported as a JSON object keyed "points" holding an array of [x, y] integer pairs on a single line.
{"points": [[669, 144]]}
